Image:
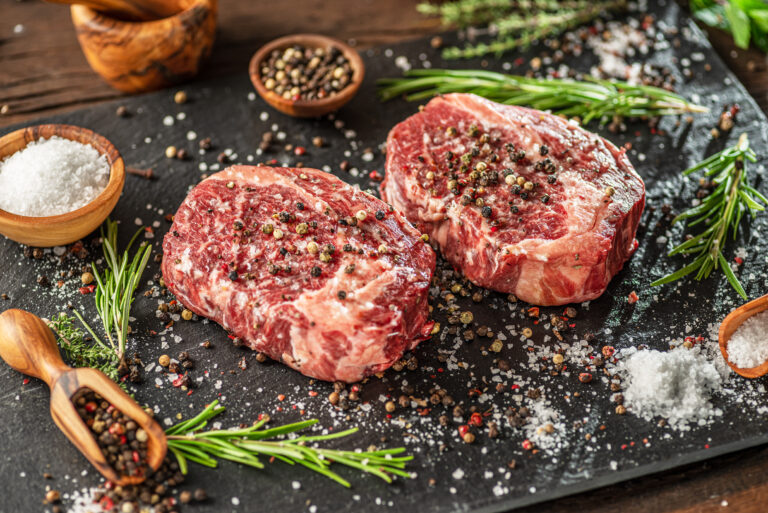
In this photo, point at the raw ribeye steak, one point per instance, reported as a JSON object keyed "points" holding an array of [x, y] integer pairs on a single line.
{"points": [[301, 266], [521, 201]]}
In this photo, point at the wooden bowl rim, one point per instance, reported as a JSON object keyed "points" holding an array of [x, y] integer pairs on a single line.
{"points": [[747, 372], [96, 141], [314, 40], [104, 23]]}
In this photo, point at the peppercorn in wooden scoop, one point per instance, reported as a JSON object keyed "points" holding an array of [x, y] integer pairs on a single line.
{"points": [[729, 326], [29, 346]]}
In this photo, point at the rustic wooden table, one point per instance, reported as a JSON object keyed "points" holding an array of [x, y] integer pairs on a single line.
{"points": [[42, 71]]}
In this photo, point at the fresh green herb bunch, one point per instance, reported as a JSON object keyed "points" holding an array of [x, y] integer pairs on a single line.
{"points": [[115, 288], [746, 20], [721, 212], [515, 24], [603, 100], [81, 353], [188, 442]]}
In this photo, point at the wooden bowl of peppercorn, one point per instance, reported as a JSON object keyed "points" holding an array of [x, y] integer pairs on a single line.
{"points": [[306, 75]]}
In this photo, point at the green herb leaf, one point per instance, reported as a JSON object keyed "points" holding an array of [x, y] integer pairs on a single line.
{"points": [[739, 23], [745, 19], [721, 212], [188, 442], [517, 24], [80, 352], [602, 100]]}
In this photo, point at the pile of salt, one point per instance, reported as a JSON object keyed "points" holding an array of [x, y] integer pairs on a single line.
{"points": [[748, 346], [51, 177], [675, 384]]}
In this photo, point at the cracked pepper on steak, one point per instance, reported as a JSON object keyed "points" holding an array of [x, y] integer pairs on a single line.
{"points": [[303, 267], [521, 201]]}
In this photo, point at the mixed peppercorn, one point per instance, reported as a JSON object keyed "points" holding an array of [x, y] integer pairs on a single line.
{"points": [[122, 441], [472, 176], [303, 73]]}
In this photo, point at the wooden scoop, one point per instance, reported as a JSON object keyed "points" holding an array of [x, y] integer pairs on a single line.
{"points": [[731, 323], [130, 10], [29, 346]]}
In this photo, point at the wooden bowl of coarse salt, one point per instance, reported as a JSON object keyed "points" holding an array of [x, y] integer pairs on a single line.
{"points": [[58, 183]]}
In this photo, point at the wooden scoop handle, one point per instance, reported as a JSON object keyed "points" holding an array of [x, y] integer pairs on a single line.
{"points": [[138, 10], [28, 345]]}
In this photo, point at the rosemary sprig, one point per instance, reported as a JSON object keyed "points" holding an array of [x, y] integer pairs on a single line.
{"points": [[594, 99], [115, 289], [79, 352], [515, 24], [188, 442], [720, 212]]}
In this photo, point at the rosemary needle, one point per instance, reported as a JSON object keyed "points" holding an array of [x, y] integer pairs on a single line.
{"points": [[603, 100], [115, 288], [720, 212], [187, 441]]}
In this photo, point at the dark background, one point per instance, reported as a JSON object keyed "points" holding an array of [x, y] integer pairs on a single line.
{"points": [[42, 71]]}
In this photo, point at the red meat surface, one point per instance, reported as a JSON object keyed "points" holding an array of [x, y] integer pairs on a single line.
{"points": [[556, 237], [281, 259]]}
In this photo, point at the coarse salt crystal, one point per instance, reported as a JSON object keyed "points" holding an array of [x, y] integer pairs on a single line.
{"points": [[675, 384], [52, 176], [748, 346]]}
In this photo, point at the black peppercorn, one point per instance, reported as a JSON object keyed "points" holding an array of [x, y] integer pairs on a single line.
{"points": [[315, 271], [233, 275], [380, 214], [486, 211]]}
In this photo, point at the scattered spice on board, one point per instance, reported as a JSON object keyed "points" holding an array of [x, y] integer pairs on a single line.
{"points": [[748, 346], [299, 72]]}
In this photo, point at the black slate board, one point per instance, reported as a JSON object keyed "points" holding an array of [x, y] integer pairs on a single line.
{"points": [[30, 444]]}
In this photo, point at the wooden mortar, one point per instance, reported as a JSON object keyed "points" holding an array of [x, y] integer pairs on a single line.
{"points": [[142, 56]]}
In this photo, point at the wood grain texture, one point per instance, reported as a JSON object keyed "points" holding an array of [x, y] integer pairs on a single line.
{"points": [[307, 108], [29, 346], [69, 227], [43, 71], [129, 10], [142, 56]]}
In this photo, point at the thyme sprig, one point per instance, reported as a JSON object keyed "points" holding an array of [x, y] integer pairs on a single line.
{"points": [[721, 212], [603, 100], [81, 353], [115, 288], [189, 442], [515, 24]]}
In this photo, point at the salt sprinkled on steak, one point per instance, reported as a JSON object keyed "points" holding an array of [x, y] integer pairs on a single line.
{"points": [[301, 266], [519, 200]]}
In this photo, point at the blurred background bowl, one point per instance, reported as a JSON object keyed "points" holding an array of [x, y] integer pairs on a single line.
{"points": [[142, 56]]}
